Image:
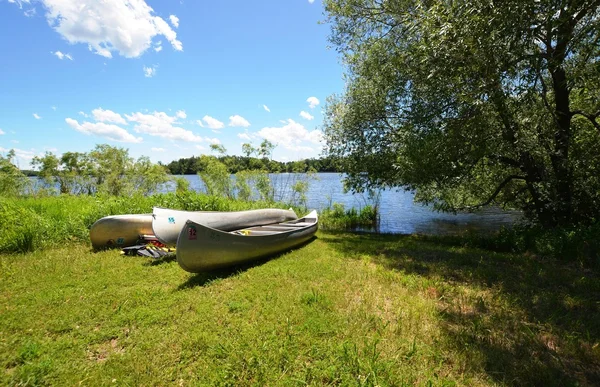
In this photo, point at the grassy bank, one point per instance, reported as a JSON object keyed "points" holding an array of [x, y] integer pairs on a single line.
{"points": [[344, 309]]}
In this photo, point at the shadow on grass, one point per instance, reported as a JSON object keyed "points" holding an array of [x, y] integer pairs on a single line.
{"points": [[203, 279], [540, 326], [162, 260]]}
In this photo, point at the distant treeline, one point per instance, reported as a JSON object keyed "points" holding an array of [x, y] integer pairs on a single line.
{"points": [[235, 164]]}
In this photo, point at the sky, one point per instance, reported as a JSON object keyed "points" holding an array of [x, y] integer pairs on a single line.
{"points": [[164, 78]]}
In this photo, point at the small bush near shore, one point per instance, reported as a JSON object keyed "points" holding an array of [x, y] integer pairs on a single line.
{"points": [[338, 218]]}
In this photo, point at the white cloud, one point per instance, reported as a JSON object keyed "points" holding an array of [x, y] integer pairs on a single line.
{"points": [[158, 46], [108, 26], [199, 122], [29, 12], [2, 132], [149, 72], [312, 102], [215, 141], [267, 108], [101, 115], [158, 149], [244, 136], [213, 123], [109, 131], [54, 108], [37, 116], [83, 114], [291, 136], [180, 114], [23, 157], [19, 2], [311, 1], [174, 20], [238, 121], [161, 125], [306, 115], [61, 56]]}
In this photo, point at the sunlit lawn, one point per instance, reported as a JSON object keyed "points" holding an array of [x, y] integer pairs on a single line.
{"points": [[344, 309]]}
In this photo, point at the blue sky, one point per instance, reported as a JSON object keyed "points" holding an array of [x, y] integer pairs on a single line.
{"points": [[164, 78]]}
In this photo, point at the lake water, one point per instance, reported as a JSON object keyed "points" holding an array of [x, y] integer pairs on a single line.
{"points": [[398, 213]]}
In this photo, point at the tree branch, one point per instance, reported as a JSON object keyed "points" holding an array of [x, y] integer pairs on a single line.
{"points": [[495, 194], [591, 117]]}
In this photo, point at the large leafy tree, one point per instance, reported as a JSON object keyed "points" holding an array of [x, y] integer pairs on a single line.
{"points": [[472, 102]]}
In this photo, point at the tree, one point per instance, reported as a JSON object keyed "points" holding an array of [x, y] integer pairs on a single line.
{"points": [[218, 148], [248, 149], [266, 149], [12, 181], [471, 103]]}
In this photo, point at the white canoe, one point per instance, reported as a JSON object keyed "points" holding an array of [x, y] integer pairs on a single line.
{"points": [[167, 224], [202, 248], [120, 230]]}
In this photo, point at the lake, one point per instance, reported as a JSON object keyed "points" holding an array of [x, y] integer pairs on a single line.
{"points": [[398, 213]]}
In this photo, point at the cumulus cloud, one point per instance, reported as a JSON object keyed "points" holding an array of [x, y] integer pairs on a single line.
{"points": [[101, 115], [37, 116], [213, 123], [238, 121], [306, 115], [158, 46], [2, 132], [22, 155], [109, 131], [291, 136], [180, 114], [267, 108], [174, 20], [61, 56], [162, 125], [215, 141], [125, 27], [244, 136], [313, 102], [149, 72]]}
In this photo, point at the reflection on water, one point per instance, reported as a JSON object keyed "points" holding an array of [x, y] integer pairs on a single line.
{"points": [[398, 213]]}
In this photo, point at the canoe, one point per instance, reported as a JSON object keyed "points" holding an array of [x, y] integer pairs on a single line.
{"points": [[120, 230], [203, 248], [167, 223]]}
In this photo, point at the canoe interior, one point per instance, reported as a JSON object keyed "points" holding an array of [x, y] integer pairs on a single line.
{"points": [[277, 228]]}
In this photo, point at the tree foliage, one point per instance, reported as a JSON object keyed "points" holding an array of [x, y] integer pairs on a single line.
{"points": [[12, 181], [471, 102], [106, 169], [235, 164]]}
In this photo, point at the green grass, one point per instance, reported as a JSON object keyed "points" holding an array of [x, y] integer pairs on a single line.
{"points": [[345, 309]]}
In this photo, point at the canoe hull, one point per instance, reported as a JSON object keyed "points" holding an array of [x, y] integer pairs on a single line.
{"points": [[167, 224], [119, 230], [201, 248]]}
